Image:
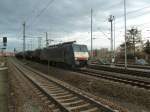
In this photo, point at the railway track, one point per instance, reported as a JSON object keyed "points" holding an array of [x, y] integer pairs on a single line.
{"points": [[61, 97], [129, 71], [116, 77], [135, 66]]}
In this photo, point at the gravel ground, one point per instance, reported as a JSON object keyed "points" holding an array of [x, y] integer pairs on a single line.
{"points": [[131, 98], [3, 91], [22, 95]]}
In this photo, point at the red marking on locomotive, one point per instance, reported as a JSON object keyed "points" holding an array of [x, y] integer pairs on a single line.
{"points": [[82, 58]]}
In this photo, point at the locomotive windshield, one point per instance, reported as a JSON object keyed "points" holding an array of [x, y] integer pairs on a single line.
{"points": [[80, 48]]}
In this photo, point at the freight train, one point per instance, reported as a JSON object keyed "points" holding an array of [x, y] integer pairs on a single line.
{"points": [[67, 53]]}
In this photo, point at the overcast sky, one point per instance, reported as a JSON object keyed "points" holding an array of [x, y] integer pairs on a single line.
{"points": [[67, 20]]}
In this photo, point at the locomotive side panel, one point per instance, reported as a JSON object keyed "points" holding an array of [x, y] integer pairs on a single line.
{"points": [[52, 54], [68, 55], [63, 54], [56, 54]]}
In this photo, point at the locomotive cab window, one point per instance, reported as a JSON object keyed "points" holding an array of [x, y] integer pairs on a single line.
{"points": [[80, 48]]}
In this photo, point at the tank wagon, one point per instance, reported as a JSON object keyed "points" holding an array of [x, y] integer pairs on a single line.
{"points": [[67, 53], [28, 54], [36, 55], [19, 55]]}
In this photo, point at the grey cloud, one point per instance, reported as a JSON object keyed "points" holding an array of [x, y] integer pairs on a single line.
{"points": [[62, 16]]}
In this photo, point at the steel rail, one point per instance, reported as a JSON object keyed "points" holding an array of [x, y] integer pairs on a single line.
{"points": [[110, 76], [83, 102]]}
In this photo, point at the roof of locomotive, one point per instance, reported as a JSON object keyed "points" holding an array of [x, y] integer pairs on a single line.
{"points": [[62, 44]]}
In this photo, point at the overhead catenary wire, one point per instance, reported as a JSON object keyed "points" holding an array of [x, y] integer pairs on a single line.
{"points": [[26, 19], [41, 12], [135, 11], [33, 11], [50, 2], [34, 20]]}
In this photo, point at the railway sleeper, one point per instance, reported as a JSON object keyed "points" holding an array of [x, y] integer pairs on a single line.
{"points": [[58, 93], [77, 102], [64, 96], [55, 89], [46, 85], [95, 109], [68, 99], [85, 106]]}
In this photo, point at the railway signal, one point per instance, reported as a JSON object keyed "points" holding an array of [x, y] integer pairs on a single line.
{"points": [[4, 41]]}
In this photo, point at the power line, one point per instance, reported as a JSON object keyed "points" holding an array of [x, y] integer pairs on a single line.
{"points": [[114, 5], [39, 14], [33, 11], [42, 11], [145, 13], [49, 3], [28, 17], [103, 33], [143, 24], [137, 10], [134, 11]]}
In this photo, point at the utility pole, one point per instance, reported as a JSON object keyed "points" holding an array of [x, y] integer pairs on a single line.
{"points": [[39, 42], [114, 39], [133, 33], [91, 33], [125, 34], [50, 40], [47, 39], [24, 43], [110, 19]]}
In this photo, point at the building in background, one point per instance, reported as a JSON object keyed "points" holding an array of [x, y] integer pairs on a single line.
{"points": [[102, 53]]}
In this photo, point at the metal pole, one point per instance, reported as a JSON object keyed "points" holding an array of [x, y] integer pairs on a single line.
{"points": [[48, 68], [125, 30], [110, 19], [114, 38], [39, 42], [111, 42], [24, 43], [133, 45], [46, 39], [32, 42], [91, 33]]}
